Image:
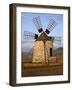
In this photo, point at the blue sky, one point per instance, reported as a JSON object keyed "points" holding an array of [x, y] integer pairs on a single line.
{"points": [[28, 25]]}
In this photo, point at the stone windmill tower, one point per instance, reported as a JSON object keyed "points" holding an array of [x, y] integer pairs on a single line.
{"points": [[44, 43], [43, 49]]}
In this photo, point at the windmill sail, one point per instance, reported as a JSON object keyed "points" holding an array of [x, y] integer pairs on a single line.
{"points": [[38, 24], [29, 36], [57, 42], [50, 26]]}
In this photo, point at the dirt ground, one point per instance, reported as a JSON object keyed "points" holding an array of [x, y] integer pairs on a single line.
{"points": [[29, 69]]}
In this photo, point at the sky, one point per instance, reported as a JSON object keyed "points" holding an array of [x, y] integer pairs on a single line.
{"points": [[27, 23]]}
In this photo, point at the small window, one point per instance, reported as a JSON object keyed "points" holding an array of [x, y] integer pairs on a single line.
{"points": [[50, 51]]}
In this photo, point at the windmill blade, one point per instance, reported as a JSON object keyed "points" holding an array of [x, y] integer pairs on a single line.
{"points": [[28, 41], [58, 41], [29, 35], [38, 24], [50, 26]]}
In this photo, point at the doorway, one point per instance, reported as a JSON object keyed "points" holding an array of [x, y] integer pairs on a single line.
{"points": [[50, 51]]}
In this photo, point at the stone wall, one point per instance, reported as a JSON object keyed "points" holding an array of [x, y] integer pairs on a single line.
{"points": [[41, 51], [48, 45], [38, 53]]}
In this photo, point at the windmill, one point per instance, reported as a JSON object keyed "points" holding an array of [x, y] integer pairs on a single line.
{"points": [[43, 43]]}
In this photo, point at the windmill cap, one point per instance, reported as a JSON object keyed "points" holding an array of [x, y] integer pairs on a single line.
{"points": [[44, 36]]}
